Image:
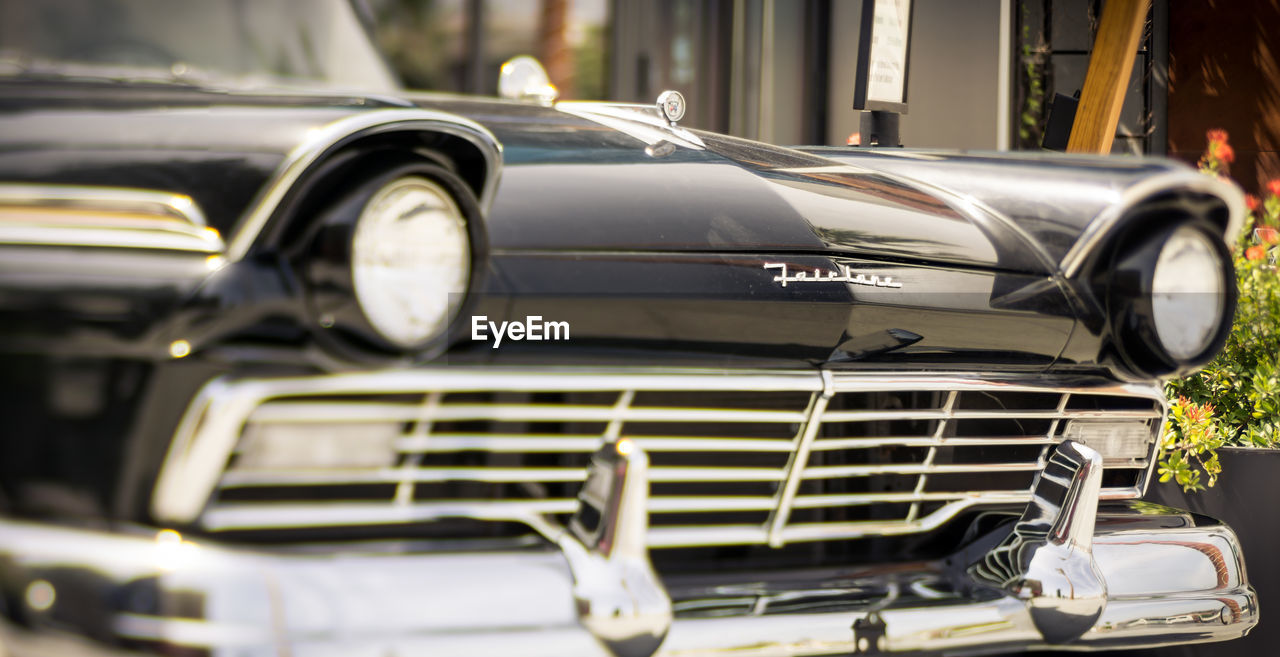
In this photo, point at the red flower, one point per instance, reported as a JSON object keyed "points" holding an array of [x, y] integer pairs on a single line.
{"points": [[1193, 411], [1255, 253], [1274, 187], [1251, 202], [1218, 135], [1226, 153]]}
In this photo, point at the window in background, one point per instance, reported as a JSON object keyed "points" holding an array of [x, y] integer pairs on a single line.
{"points": [[249, 43], [459, 45], [682, 45], [423, 40], [1054, 39]]}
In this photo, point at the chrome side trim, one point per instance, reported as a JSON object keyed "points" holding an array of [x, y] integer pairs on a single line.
{"points": [[320, 140], [114, 199], [113, 217], [1110, 218]]}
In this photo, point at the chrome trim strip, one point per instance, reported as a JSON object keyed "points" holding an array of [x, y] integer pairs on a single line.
{"points": [[309, 412], [799, 459], [113, 199], [1158, 452], [260, 476], [1108, 219], [203, 241], [832, 471], [301, 515], [196, 465], [876, 416], [321, 139], [848, 499], [948, 410], [828, 444], [113, 217], [584, 443]]}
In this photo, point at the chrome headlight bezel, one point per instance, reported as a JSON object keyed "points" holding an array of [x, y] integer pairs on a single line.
{"points": [[1141, 295], [410, 261], [1188, 293], [369, 264]]}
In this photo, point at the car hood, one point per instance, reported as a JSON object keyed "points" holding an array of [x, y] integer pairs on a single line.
{"points": [[587, 177]]}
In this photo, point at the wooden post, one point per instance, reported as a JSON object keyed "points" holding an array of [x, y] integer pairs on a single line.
{"points": [[1110, 65]]}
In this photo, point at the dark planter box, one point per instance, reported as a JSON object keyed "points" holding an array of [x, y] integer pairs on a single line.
{"points": [[1247, 497]]}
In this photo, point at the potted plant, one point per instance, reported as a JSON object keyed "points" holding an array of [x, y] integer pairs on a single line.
{"points": [[1235, 400]]}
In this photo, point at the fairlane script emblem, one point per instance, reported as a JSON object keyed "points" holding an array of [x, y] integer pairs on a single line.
{"points": [[842, 275]]}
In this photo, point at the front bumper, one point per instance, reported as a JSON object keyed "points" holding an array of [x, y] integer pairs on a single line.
{"points": [[1171, 577]]}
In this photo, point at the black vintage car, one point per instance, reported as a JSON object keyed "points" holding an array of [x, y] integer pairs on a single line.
{"points": [[299, 363]]}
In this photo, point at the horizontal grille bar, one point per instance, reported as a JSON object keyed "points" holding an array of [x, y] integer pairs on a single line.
{"points": [[584, 443], [829, 444], [227, 517], [826, 472], [818, 501], [874, 416], [255, 477], [330, 412]]}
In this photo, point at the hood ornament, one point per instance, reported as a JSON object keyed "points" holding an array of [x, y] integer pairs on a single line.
{"points": [[671, 106]]}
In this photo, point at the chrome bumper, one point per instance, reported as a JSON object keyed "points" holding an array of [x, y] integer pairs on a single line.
{"points": [[1072, 575]]}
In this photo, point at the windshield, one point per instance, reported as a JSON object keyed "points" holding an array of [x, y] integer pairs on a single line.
{"points": [[250, 42]]}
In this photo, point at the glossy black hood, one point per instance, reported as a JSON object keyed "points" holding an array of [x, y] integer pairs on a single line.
{"points": [[604, 187], [570, 183]]}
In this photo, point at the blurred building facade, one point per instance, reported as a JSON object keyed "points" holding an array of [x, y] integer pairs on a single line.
{"points": [[982, 72]]}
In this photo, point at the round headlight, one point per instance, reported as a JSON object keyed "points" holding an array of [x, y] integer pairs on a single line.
{"points": [[410, 260], [1188, 293], [1170, 296]]}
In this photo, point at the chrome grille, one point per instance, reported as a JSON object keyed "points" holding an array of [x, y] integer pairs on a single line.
{"points": [[743, 458]]}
